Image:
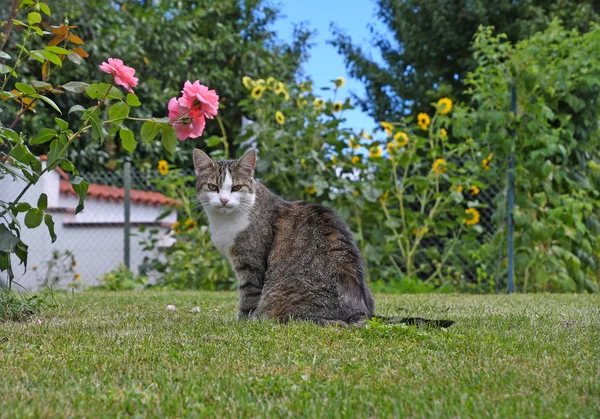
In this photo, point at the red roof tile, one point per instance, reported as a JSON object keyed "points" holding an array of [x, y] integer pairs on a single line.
{"points": [[113, 193]]}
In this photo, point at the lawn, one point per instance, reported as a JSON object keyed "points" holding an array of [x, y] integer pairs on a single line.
{"points": [[118, 354]]}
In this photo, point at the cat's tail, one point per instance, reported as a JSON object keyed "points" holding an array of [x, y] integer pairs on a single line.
{"points": [[414, 321]]}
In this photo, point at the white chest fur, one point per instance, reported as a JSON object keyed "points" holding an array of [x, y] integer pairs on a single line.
{"points": [[224, 228]]}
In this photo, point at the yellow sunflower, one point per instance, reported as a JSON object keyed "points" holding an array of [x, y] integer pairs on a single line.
{"points": [[279, 117], [176, 225], [391, 147], [257, 92], [247, 82], [355, 159], [387, 127], [301, 102], [384, 196], [444, 106], [339, 82], [271, 83], [77, 277], [189, 224], [375, 151], [443, 134], [163, 167], [310, 190], [474, 190], [401, 139], [306, 86], [420, 231], [473, 217], [353, 143], [364, 134], [318, 103], [423, 120], [486, 162], [439, 166], [337, 106], [457, 188]]}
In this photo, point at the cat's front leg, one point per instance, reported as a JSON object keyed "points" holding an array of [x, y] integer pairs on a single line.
{"points": [[249, 297], [250, 276]]}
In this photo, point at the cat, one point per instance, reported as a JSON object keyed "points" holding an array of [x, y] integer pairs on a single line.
{"points": [[293, 260]]}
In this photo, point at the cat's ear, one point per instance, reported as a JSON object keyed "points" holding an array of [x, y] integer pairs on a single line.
{"points": [[202, 162], [246, 163]]}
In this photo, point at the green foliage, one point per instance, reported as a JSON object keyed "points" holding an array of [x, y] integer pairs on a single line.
{"points": [[406, 195], [427, 55], [557, 213], [168, 42], [20, 307], [121, 279], [20, 151]]}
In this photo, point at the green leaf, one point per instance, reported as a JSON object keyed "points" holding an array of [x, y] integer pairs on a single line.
{"points": [[33, 218], [25, 88], [118, 111], [50, 224], [44, 8], [40, 84], [8, 241], [80, 187], [101, 90], [75, 87], [149, 131], [48, 101], [127, 139], [23, 207], [4, 55], [76, 108], [97, 132], [45, 135], [57, 50], [213, 141], [62, 124], [169, 138], [42, 203], [53, 58], [132, 100], [56, 152], [67, 165], [33, 18]]}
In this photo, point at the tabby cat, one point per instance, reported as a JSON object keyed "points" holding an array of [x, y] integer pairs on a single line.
{"points": [[293, 260]]}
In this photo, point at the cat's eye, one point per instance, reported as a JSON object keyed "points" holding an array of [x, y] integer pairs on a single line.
{"points": [[236, 188], [212, 187]]}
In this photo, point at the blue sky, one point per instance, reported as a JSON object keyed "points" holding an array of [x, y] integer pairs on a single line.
{"points": [[325, 64]]}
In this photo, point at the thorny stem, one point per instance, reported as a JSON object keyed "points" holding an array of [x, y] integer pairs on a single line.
{"points": [[21, 112], [9, 23]]}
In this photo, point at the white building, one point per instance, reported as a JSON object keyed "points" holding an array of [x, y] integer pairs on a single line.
{"points": [[95, 236]]}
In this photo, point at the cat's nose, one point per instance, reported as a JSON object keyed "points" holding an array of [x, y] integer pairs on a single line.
{"points": [[224, 201]]}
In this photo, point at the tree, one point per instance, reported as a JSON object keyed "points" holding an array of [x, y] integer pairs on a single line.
{"points": [[429, 55], [169, 42]]}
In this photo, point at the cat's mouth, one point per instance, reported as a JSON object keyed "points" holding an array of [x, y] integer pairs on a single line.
{"points": [[225, 210]]}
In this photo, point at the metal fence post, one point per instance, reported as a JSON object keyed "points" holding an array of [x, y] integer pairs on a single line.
{"points": [[127, 221], [511, 197]]}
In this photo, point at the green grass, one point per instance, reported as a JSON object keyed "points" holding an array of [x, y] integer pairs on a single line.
{"points": [[119, 354]]}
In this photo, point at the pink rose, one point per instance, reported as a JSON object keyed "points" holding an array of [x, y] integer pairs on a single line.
{"points": [[185, 120], [207, 100], [123, 75], [188, 113]]}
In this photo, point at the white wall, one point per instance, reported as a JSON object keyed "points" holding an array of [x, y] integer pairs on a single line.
{"points": [[97, 248]]}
